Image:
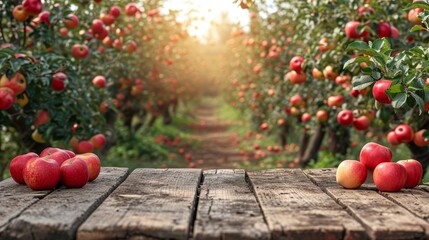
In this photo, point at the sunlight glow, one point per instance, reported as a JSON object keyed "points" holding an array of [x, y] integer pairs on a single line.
{"points": [[206, 12]]}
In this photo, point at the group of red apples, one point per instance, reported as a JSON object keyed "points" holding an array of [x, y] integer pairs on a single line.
{"points": [[388, 176], [55, 166]]}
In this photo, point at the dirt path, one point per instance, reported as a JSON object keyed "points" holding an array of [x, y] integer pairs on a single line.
{"points": [[216, 146]]}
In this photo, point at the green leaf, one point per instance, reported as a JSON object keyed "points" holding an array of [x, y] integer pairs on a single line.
{"points": [[419, 4], [396, 88], [381, 45], [359, 59], [417, 28], [399, 100], [362, 82], [420, 102]]}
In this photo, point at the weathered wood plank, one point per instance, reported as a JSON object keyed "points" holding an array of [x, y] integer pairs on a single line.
{"points": [[58, 215], [151, 203], [415, 200], [14, 199], [382, 218], [295, 208], [228, 209]]}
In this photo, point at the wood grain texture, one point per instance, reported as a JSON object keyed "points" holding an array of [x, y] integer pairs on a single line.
{"points": [[151, 203], [228, 209], [295, 208], [382, 218], [58, 215], [14, 199]]}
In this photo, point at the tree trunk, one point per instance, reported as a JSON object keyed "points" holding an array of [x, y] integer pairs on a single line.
{"points": [[339, 140], [111, 117], [166, 114], [420, 154], [152, 121], [284, 131], [314, 144], [303, 144]]}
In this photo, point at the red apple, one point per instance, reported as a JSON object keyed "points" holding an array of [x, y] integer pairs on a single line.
{"points": [[93, 163], [404, 133], [392, 139], [32, 7], [44, 17], [80, 51], [58, 81], [419, 140], [131, 47], [17, 166], [335, 101], [379, 91], [329, 73], [64, 32], [72, 21], [58, 155], [131, 9], [74, 173], [115, 11], [107, 19], [295, 63], [306, 117], [389, 176], [17, 83], [117, 44], [297, 78], [296, 100], [98, 141], [361, 123], [414, 172], [413, 15], [19, 13], [7, 98], [97, 26], [99, 81], [345, 117], [373, 154], [264, 126], [352, 31], [351, 174], [317, 74], [41, 174], [395, 32], [322, 115], [384, 30], [42, 118], [84, 147]]}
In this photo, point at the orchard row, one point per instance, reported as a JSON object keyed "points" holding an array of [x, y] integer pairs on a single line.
{"points": [[333, 72]]}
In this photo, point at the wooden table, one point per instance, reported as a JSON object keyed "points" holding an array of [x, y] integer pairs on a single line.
{"points": [[214, 204]]}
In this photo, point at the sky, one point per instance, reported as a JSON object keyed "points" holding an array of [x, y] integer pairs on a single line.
{"points": [[208, 11]]}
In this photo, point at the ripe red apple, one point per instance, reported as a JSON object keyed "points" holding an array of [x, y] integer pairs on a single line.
{"points": [[58, 81], [80, 51], [264, 126], [131, 47], [404, 133], [329, 73], [392, 139], [99, 81], [352, 32], [41, 174], [44, 17], [345, 117], [155, 12], [115, 11], [17, 166], [131, 9], [414, 172], [59, 155], [395, 32], [419, 140], [74, 173], [296, 100], [389, 176], [306, 117], [107, 19], [94, 164], [317, 74], [98, 141], [17, 83], [361, 123], [384, 30], [297, 78], [84, 147], [373, 154], [19, 13], [322, 115], [7, 98], [379, 91], [42, 118], [413, 15], [117, 44], [72, 21], [351, 174], [32, 7], [97, 26], [295, 63], [336, 101]]}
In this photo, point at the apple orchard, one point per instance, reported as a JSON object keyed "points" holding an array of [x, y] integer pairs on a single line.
{"points": [[319, 77]]}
